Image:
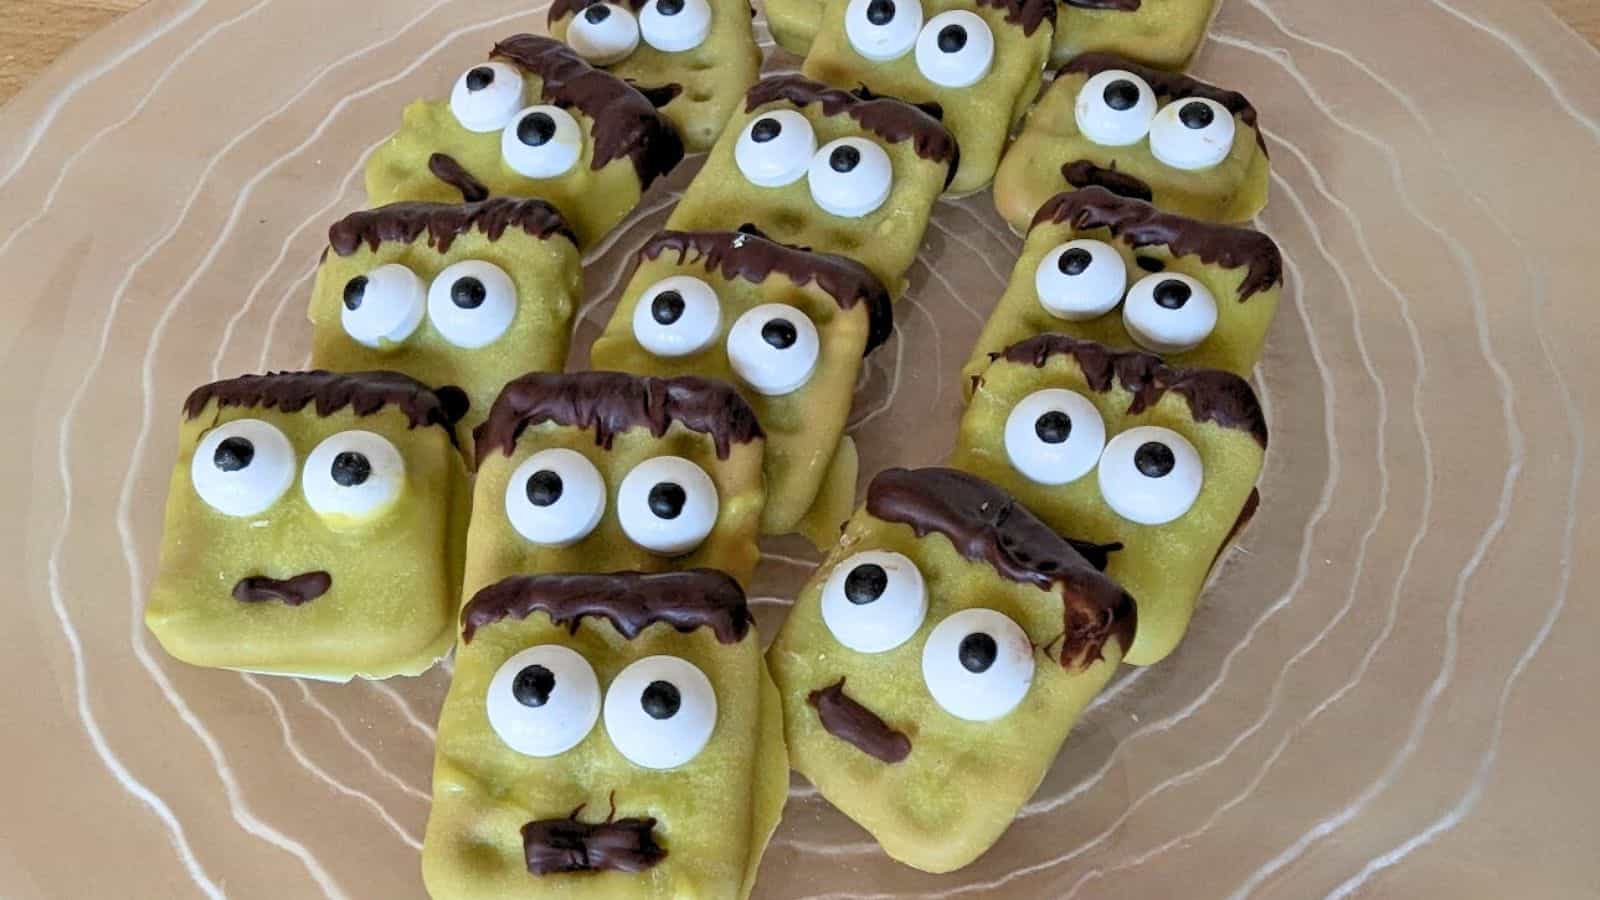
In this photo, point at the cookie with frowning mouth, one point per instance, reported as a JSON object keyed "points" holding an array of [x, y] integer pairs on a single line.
{"points": [[932, 667]]}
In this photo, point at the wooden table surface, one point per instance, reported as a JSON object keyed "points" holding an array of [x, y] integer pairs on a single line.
{"points": [[34, 32]]}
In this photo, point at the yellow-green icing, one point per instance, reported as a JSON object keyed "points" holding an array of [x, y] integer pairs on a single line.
{"points": [[1160, 33]]}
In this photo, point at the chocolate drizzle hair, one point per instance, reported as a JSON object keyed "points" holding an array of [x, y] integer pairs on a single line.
{"points": [[560, 9], [630, 601], [444, 222], [1169, 85], [1029, 14], [363, 392]]}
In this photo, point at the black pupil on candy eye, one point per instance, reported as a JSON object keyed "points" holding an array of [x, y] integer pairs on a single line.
{"points": [[1172, 294], [880, 12], [780, 334], [1074, 261], [667, 307], [538, 128], [350, 469], [1155, 460], [1122, 94], [544, 488], [765, 130], [865, 584], [661, 700], [468, 293], [952, 38], [977, 652], [480, 78], [533, 686], [1054, 427], [666, 500], [597, 13], [355, 290], [669, 7], [1195, 116], [844, 159], [233, 454]]}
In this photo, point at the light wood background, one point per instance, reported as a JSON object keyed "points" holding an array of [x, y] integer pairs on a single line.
{"points": [[34, 32]]}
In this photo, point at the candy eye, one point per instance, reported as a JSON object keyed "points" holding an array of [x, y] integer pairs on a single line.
{"points": [[1191, 134], [472, 303], [677, 316], [850, 177], [486, 97], [242, 467], [776, 149], [353, 476], [955, 49], [1150, 475], [1054, 436], [774, 349], [604, 33], [882, 30], [874, 601], [660, 712], [673, 26], [1082, 279], [543, 701], [384, 305], [1169, 313], [1115, 108], [556, 497], [978, 664], [542, 142], [667, 505]]}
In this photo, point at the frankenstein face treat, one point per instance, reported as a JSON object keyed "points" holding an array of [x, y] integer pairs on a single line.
{"points": [[1184, 145], [314, 526], [787, 327], [468, 295], [693, 58], [826, 170], [1159, 33], [978, 61], [933, 666], [606, 736], [1122, 273], [533, 121], [1118, 449], [606, 472]]}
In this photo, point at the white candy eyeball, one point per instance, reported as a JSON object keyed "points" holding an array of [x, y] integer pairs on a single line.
{"points": [[1081, 279], [667, 505], [850, 177], [1192, 134], [603, 33], [978, 664], [486, 97], [677, 316], [673, 26], [774, 349], [1150, 475], [1169, 313], [384, 305], [955, 49], [242, 467], [1054, 436], [660, 712], [472, 303], [776, 148], [881, 30], [874, 601], [353, 476], [1115, 108], [542, 142], [556, 497], [543, 701]]}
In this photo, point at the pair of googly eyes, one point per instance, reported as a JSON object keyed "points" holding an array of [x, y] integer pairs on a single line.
{"points": [[953, 49], [606, 33], [241, 468], [849, 177], [659, 712], [1148, 475], [1117, 108], [773, 347], [541, 141], [470, 303], [1164, 312], [666, 504], [976, 663]]}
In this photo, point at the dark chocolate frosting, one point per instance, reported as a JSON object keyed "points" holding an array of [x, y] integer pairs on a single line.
{"points": [[612, 402], [444, 222], [856, 725], [630, 601], [659, 95], [987, 525], [560, 9], [296, 591], [1169, 85], [1142, 225], [449, 170], [556, 846], [1027, 13], [1118, 5], [363, 392], [1221, 398], [626, 123], [751, 257], [1081, 173]]}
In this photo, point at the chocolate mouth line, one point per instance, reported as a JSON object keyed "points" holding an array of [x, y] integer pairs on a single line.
{"points": [[296, 591], [849, 721], [659, 95], [449, 170], [1097, 555], [1083, 173], [559, 846]]}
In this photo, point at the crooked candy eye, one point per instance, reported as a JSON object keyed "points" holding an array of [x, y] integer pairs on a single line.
{"points": [[241, 468], [543, 701], [486, 97], [881, 30], [1192, 134], [1082, 279], [850, 177], [774, 349], [604, 33], [1150, 475], [978, 664], [383, 306], [667, 505], [955, 49], [776, 148], [542, 142], [1054, 436], [677, 316], [660, 712], [874, 601], [1169, 313], [556, 497], [1115, 108], [353, 476], [472, 303], [673, 26]]}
